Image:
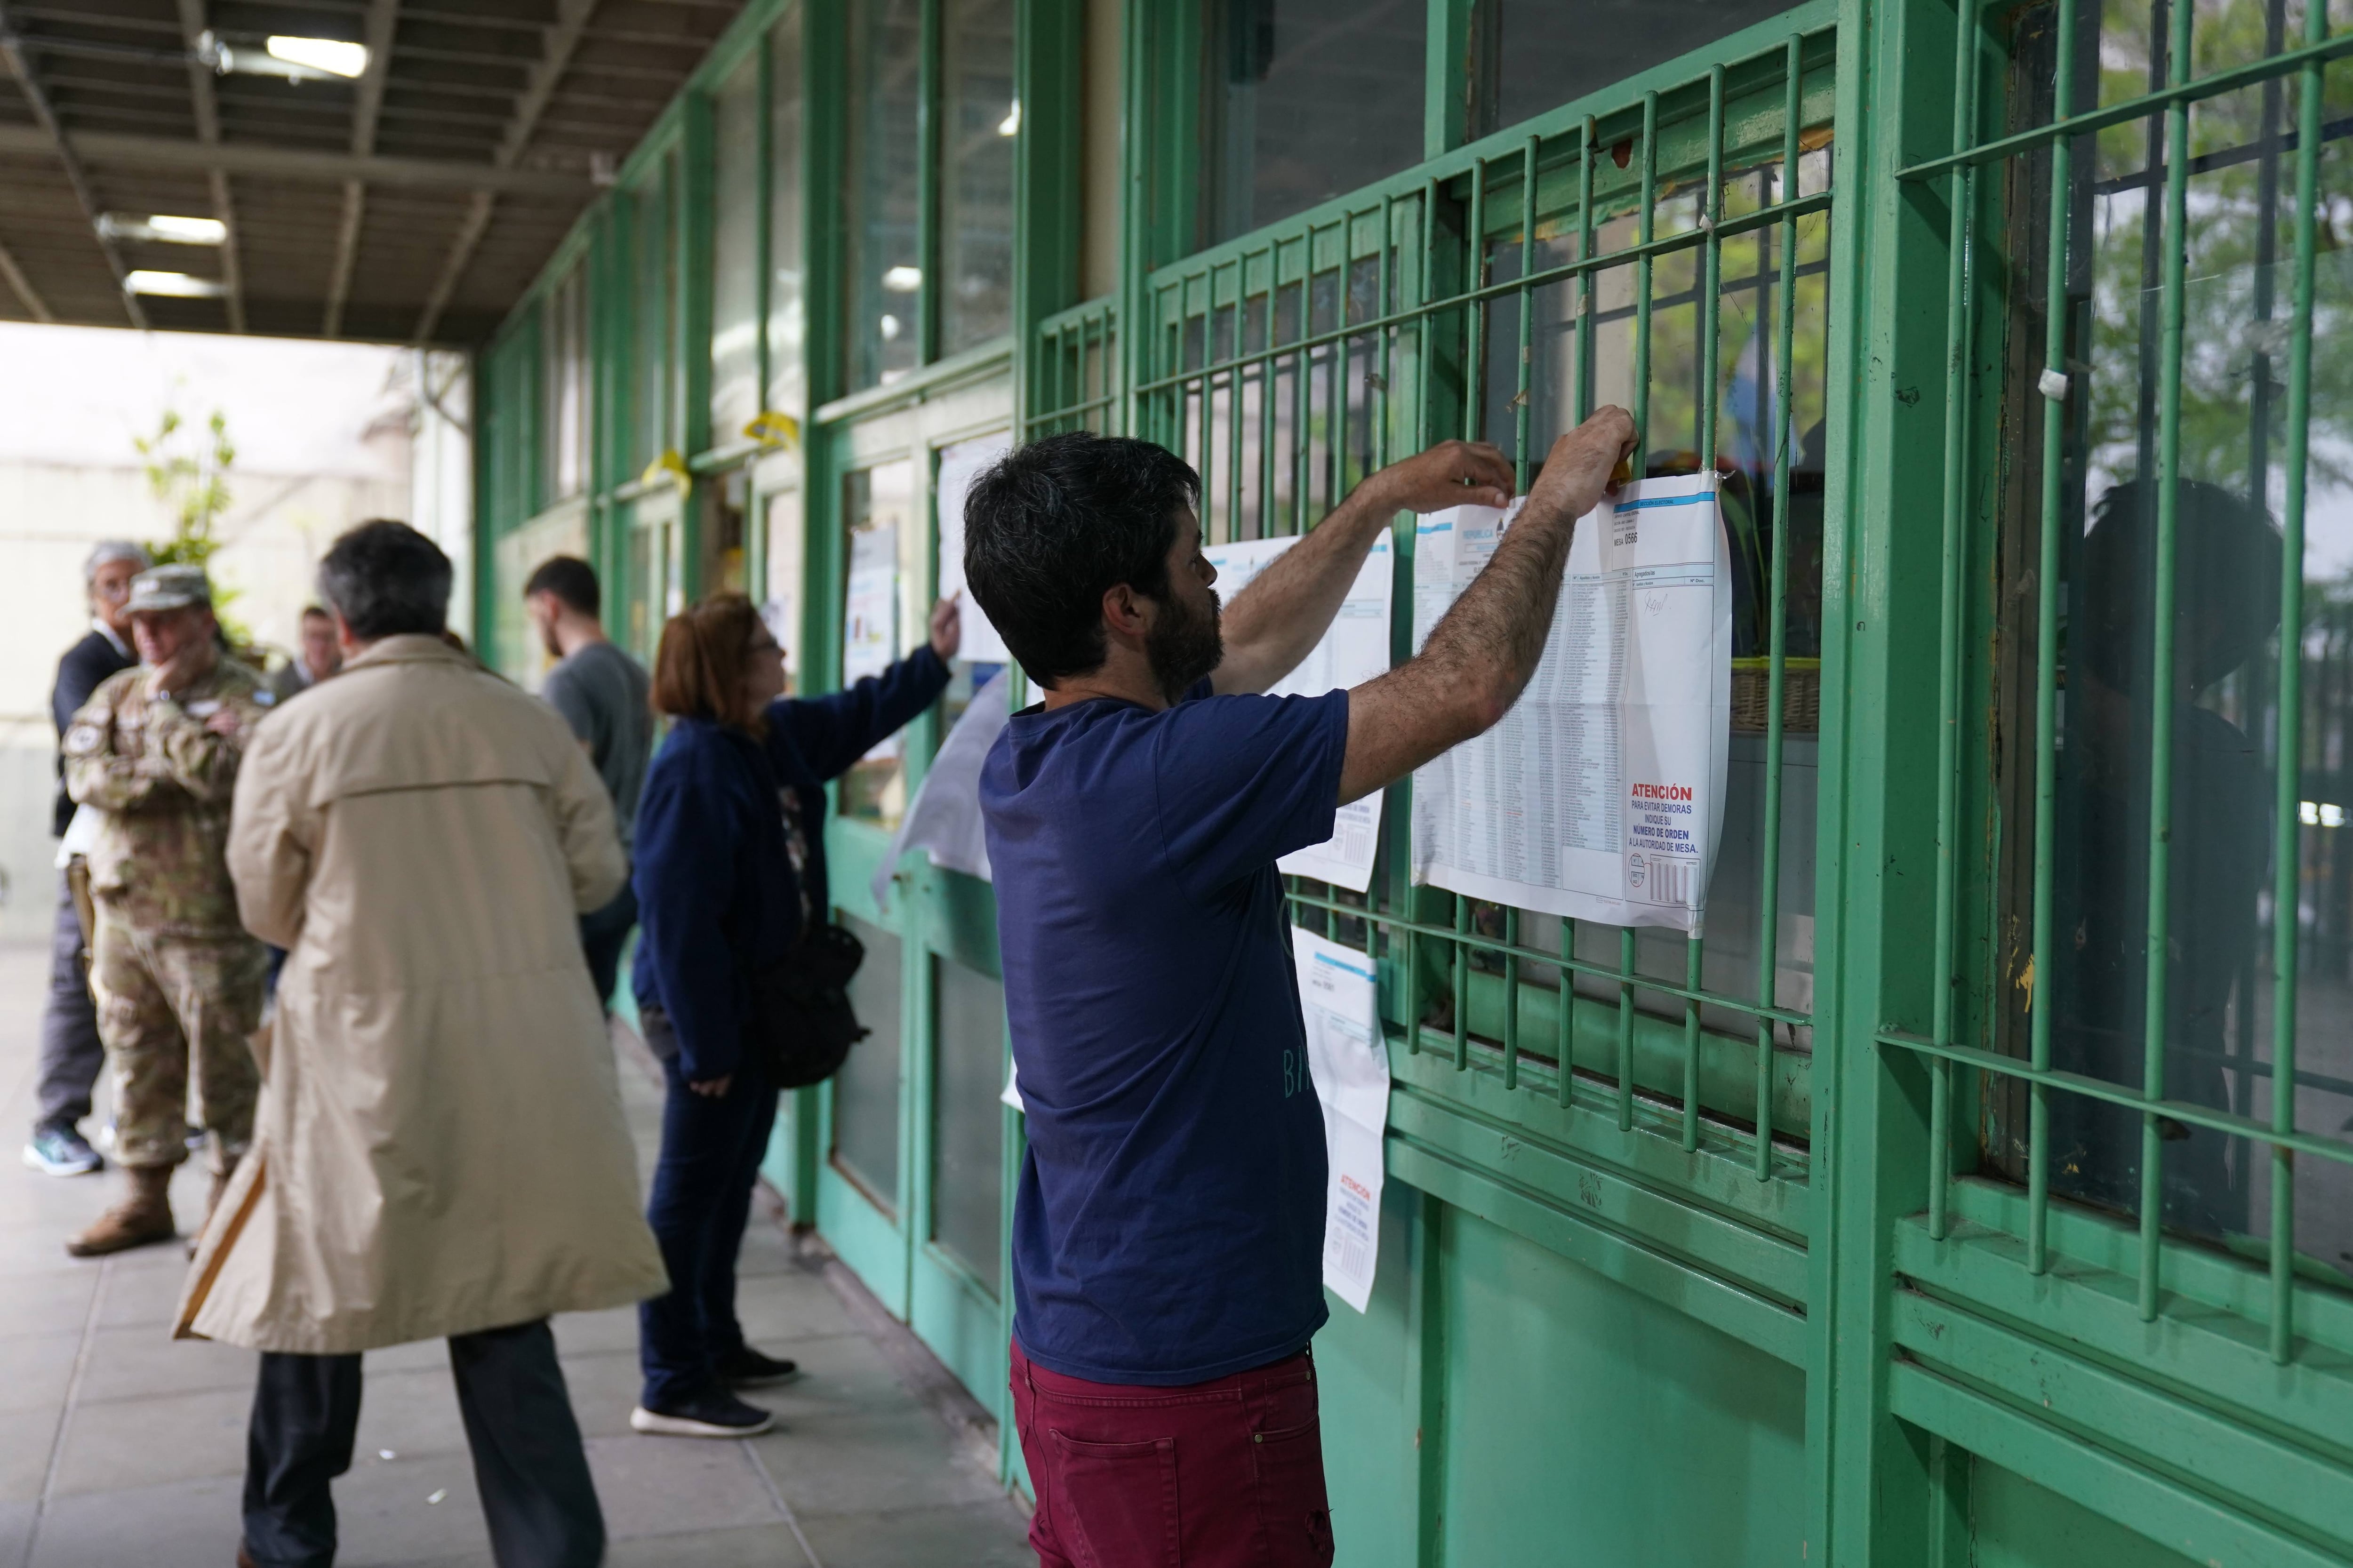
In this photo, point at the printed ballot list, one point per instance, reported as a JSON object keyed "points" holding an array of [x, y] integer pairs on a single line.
{"points": [[1598, 796], [1348, 1061], [1355, 649]]}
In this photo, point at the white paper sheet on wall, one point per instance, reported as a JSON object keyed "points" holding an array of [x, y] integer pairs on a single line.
{"points": [[959, 465], [1349, 1062], [943, 819], [869, 628], [1354, 650], [1598, 796]]}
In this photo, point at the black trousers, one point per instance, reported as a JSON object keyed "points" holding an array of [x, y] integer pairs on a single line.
{"points": [[71, 1056], [603, 934], [528, 1463], [701, 1201]]}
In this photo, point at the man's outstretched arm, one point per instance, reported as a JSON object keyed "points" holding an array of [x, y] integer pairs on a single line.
{"points": [[1273, 624], [1481, 654]]}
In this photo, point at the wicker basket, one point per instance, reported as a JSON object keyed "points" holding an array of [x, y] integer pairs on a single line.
{"points": [[1802, 695]]}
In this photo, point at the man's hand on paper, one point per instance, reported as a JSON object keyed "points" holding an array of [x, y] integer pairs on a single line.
{"points": [[1453, 473], [1577, 470]]}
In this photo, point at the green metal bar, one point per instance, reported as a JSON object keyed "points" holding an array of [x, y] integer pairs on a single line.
{"points": [[1664, 245], [1948, 638], [1512, 1000], [1412, 989], [1233, 393], [1462, 984], [1584, 340], [1303, 403], [2161, 761], [1625, 1028], [2046, 662], [1643, 266], [1386, 303], [1520, 395], [1777, 638], [1335, 368], [2065, 125], [1475, 375], [2188, 1113], [2287, 850], [1711, 326], [1611, 972], [1564, 1015], [1268, 524]]}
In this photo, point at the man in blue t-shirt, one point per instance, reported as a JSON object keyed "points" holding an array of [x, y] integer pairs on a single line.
{"points": [[1168, 1234]]}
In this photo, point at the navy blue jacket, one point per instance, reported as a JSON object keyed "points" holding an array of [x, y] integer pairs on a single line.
{"points": [[718, 898], [86, 667]]}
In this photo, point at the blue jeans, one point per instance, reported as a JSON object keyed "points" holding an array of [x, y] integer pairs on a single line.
{"points": [[710, 1152]]}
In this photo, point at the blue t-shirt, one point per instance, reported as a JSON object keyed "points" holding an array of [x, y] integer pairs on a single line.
{"points": [[1169, 1227]]}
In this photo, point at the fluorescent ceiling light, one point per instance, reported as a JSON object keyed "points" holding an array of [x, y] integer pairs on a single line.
{"points": [[329, 54], [1011, 125], [163, 228], [903, 280], [178, 284], [188, 230]]}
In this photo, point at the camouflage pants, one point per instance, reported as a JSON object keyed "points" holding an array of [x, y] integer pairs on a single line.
{"points": [[163, 1000]]}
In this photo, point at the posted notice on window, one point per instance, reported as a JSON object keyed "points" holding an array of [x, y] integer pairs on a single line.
{"points": [[1349, 1062], [1600, 794], [1355, 649], [960, 464], [870, 627]]}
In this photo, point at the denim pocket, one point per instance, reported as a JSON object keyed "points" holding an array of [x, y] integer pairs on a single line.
{"points": [[1294, 1513], [1118, 1507]]}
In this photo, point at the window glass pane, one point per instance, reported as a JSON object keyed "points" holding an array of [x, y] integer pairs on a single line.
{"points": [[885, 280], [1302, 100], [787, 310], [2221, 699], [978, 124], [651, 211], [564, 371], [735, 255], [878, 510], [866, 1090], [1539, 54], [967, 1120], [783, 605], [1751, 299]]}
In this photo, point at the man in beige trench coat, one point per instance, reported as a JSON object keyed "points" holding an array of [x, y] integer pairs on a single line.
{"points": [[439, 1150]]}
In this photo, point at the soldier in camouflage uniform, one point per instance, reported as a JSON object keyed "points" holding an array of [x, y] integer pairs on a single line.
{"points": [[178, 979]]}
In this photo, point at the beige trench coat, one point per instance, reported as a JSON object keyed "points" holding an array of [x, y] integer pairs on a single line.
{"points": [[440, 1146]]}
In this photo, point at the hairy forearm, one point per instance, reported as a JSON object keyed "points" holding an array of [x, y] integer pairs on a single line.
{"points": [[1273, 624]]}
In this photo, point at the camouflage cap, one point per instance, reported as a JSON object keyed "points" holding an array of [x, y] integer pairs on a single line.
{"points": [[170, 588]]}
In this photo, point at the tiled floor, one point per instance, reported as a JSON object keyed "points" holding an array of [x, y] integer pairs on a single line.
{"points": [[123, 1449]]}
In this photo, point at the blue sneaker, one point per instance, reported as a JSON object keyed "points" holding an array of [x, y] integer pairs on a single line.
{"points": [[61, 1152]]}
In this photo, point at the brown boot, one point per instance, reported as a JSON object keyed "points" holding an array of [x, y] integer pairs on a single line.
{"points": [[143, 1218]]}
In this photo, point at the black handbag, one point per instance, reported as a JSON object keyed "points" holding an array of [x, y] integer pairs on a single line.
{"points": [[802, 1024]]}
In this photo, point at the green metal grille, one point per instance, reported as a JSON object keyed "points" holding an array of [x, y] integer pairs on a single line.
{"points": [[2061, 149], [1289, 363]]}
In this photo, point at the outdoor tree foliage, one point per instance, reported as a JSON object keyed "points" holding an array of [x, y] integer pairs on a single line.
{"points": [[187, 471]]}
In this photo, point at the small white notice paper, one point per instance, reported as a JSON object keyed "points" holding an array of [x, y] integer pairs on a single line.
{"points": [[869, 631], [959, 465], [1352, 650], [1599, 795], [1349, 1061]]}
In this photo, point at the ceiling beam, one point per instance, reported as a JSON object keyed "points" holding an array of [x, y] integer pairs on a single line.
{"points": [[562, 40], [109, 149], [367, 104], [51, 137], [22, 286], [193, 24]]}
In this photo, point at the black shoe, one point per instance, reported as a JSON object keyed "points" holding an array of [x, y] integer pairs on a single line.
{"points": [[714, 1412], [747, 1368]]}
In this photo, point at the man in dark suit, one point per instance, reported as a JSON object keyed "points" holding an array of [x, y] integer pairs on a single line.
{"points": [[70, 1053]]}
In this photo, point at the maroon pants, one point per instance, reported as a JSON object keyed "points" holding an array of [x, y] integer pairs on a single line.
{"points": [[1225, 1474]]}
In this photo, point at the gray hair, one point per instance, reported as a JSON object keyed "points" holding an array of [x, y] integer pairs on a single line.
{"points": [[386, 579], [105, 552]]}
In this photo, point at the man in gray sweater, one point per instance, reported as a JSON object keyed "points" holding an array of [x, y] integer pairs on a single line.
{"points": [[604, 695]]}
